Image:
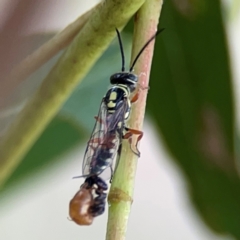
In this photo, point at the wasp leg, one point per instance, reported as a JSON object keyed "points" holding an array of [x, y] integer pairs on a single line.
{"points": [[95, 140], [135, 97], [129, 134], [98, 139], [142, 87], [98, 119]]}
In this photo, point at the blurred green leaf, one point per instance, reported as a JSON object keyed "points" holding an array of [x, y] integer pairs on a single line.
{"points": [[191, 100], [59, 136], [76, 118], [24, 90]]}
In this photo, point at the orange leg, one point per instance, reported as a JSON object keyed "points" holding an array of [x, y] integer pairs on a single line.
{"points": [[95, 140], [135, 97], [98, 119], [129, 134]]}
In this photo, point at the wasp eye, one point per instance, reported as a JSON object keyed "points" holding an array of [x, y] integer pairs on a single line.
{"points": [[125, 78], [133, 77]]}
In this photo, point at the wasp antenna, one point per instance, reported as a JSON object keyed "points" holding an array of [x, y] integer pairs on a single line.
{"points": [[144, 47], [121, 49]]}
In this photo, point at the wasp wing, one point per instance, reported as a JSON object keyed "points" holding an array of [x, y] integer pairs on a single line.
{"points": [[115, 123], [105, 141], [97, 136]]}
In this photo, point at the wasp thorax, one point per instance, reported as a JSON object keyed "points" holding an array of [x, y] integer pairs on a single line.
{"points": [[125, 78]]}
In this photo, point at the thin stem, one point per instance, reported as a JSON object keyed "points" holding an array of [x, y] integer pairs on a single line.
{"points": [[121, 192], [73, 65]]}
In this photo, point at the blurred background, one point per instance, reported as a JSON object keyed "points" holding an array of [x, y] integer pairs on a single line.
{"points": [[187, 184]]}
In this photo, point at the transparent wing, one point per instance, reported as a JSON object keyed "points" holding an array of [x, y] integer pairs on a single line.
{"points": [[97, 136], [115, 123], [100, 156], [108, 171]]}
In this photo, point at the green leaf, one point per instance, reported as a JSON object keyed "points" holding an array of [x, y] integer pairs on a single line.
{"points": [[59, 136], [191, 100], [76, 118]]}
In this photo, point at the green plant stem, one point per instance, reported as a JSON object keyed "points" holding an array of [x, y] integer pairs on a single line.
{"points": [[44, 53], [73, 65], [121, 192]]}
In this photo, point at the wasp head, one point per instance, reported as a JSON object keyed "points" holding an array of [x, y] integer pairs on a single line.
{"points": [[125, 78]]}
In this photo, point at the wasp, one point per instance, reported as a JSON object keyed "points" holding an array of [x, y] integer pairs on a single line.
{"points": [[110, 126], [105, 142]]}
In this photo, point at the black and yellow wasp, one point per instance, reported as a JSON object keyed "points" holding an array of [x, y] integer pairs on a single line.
{"points": [[104, 146], [110, 127]]}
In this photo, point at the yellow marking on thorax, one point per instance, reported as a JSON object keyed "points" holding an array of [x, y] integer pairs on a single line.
{"points": [[124, 88], [111, 104], [126, 115], [113, 96], [120, 124]]}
